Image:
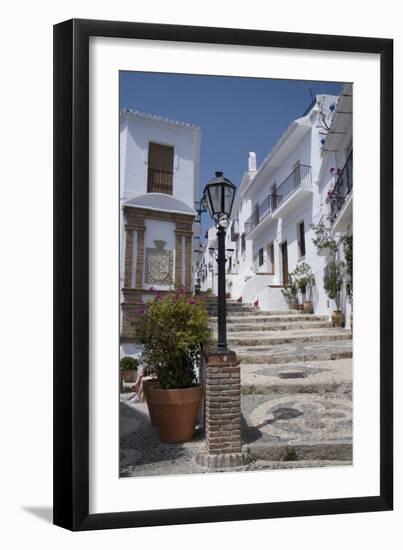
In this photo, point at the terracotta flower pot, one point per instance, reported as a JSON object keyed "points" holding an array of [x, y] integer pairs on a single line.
{"points": [[129, 376], [308, 307], [176, 412], [338, 318], [148, 383]]}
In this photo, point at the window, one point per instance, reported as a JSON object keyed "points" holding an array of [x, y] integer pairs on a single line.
{"points": [[270, 258], [243, 243], [160, 168], [261, 257], [301, 239]]}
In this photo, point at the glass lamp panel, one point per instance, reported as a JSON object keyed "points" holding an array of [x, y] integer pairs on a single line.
{"points": [[229, 192], [214, 192]]}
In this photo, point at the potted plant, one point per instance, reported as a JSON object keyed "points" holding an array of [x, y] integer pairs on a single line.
{"points": [[348, 255], [351, 322], [290, 292], [324, 240], [305, 281], [332, 283], [171, 330], [128, 368]]}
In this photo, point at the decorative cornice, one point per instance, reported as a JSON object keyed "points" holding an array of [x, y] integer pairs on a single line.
{"points": [[160, 119]]}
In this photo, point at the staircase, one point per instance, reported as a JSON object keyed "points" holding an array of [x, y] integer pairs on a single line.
{"points": [[296, 384]]}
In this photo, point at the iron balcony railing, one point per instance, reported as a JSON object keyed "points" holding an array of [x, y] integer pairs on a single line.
{"points": [[159, 181], [341, 189], [309, 108], [300, 174]]}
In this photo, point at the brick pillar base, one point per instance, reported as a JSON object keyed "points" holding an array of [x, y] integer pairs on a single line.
{"points": [[223, 413]]}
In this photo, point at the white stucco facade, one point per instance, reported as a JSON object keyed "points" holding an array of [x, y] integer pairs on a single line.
{"points": [[291, 187]]}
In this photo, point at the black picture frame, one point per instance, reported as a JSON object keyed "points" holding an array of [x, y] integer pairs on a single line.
{"points": [[71, 274]]}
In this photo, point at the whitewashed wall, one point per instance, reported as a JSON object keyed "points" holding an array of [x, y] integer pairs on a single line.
{"points": [[136, 134]]}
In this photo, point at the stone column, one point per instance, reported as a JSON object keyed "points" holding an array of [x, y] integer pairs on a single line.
{"points": [[128, 256], [223, 413], [188, 262], [140, 256], [178, 258]]}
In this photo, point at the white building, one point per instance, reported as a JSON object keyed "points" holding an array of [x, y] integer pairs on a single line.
{"points": [[159, 182], [207, 265], [277, 203]]}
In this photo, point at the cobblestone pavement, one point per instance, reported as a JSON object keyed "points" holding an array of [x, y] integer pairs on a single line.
{"points": [[298, 377], [142, 454]]}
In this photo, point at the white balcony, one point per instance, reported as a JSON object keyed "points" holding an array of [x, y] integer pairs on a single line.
{"points": [[293, 190], [292, 200]]}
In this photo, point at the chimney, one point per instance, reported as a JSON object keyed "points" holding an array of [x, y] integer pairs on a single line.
{"points": [[252, 162]]}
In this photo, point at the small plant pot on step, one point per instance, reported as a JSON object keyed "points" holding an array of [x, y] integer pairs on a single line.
{"points": [[338, 319], [176, 412], [308, 307], [129, 376], [148, 383]]}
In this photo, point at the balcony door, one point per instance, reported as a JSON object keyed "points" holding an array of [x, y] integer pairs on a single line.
{"points": [[284, 262], [160, 168]]}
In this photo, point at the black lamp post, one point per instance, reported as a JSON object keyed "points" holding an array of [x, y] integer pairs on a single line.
{"points": [[218, 197]]}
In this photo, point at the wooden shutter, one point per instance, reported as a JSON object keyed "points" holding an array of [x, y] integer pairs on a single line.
{"points": [[160, 168]]}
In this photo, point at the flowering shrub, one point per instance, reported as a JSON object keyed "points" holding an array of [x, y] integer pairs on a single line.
{"points": [[171, 329]]}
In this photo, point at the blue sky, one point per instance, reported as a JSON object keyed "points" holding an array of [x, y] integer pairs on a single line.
{"points": [[236, 115]]}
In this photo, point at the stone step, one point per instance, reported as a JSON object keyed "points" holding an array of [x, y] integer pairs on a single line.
{"points": [[258, 464], [278, 318], [324, 350], [234, 310], [295, 427], [319, 377], [301, 455], [269, 327], [287, 337]]}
